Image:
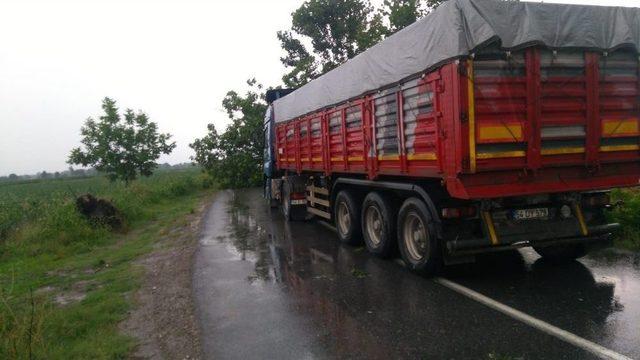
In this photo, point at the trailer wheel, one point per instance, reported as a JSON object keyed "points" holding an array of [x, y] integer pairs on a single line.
{"points": [[379, 224], [291, 212], [417, 241], [346, 213], [561, 253]]}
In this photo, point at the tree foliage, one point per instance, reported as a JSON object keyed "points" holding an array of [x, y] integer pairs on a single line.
{"points": [[339, 30], [123, 149], [234, 158]]}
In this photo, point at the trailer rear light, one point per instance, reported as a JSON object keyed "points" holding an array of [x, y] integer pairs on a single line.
{"points": [[459, 212], [298, 196], [596, 200]]}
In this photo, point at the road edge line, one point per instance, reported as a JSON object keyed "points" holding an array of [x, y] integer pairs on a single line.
{"points": [[543, 326]]}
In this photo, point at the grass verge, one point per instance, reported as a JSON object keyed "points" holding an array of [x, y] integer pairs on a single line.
{"points": [[65, 286], [628, 215]]}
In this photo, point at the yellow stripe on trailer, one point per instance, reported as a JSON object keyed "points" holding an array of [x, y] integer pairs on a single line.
{"points": [[424, 156], [610, 148], [504, 132], [501, 154], [472, 117], [388, 157], [620, 127], [562, 151], [492, 230]]}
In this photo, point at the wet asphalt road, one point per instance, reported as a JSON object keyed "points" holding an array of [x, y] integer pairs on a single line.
{"points": [[268, 289]]}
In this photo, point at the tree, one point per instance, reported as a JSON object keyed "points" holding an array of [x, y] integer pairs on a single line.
{"points": [[339, 30], [123, 149], [13, 177], [234, 158]]}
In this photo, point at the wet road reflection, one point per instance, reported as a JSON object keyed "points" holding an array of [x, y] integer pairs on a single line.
{"points": [[266, 288]]}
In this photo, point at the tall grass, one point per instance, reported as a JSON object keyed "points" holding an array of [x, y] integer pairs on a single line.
{"points": [[45, 242], [628, 215], [40, 216]]}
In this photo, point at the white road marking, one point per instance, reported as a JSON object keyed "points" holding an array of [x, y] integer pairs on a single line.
{"points": [[545, 327]]}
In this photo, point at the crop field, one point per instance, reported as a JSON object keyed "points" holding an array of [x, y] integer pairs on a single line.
{"points": [[51, 200], [49, 253]]}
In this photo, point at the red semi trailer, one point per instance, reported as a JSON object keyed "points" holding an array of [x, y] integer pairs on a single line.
{"points": [[508, 133]]}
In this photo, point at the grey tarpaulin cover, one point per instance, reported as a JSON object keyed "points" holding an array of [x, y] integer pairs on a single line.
{"points": [[455, 29]]}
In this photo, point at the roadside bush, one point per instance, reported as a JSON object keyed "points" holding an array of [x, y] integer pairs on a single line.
{"points": [[628, 216]]}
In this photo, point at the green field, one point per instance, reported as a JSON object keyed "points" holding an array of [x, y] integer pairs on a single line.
{"points": [[48, 249]]}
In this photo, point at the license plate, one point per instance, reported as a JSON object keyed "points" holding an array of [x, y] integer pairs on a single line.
{"points": [[529, 214], [298, 202]]}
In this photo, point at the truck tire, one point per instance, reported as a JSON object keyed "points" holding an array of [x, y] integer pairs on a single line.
{"points": [[291, 212], [273, 203], [346, 213], [417, 240], [561, 253], [379, 224]]}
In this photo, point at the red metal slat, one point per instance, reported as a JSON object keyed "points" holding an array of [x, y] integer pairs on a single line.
{"points": [[345, 152], [367, 128], [326, 164], [456, 101], [532, 125], [298, 148], [593, 126], [309, 134], [374, 137], [365, 140], [400, 128]]}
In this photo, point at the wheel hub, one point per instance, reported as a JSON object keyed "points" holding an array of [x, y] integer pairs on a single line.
{"points": [[416, 236], [344, 218], [373, 219]]}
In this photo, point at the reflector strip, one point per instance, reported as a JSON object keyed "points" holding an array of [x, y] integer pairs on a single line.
{"points": [[619, 127], [355, 158], [562, 151], [502, 133], [425, 156], [501, 154], [619, 148], [388, 157]]}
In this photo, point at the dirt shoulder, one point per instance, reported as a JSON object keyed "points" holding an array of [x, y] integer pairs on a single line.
{"points": [[163, 320]]}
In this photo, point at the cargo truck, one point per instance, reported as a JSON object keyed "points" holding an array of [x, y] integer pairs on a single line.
{"points": [[484, 126]]}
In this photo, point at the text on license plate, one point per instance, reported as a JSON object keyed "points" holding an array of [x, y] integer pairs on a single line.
{"points": [[526, 214]]}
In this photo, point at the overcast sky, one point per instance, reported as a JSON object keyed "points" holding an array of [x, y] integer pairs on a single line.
{"points": [[173, 59]]}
